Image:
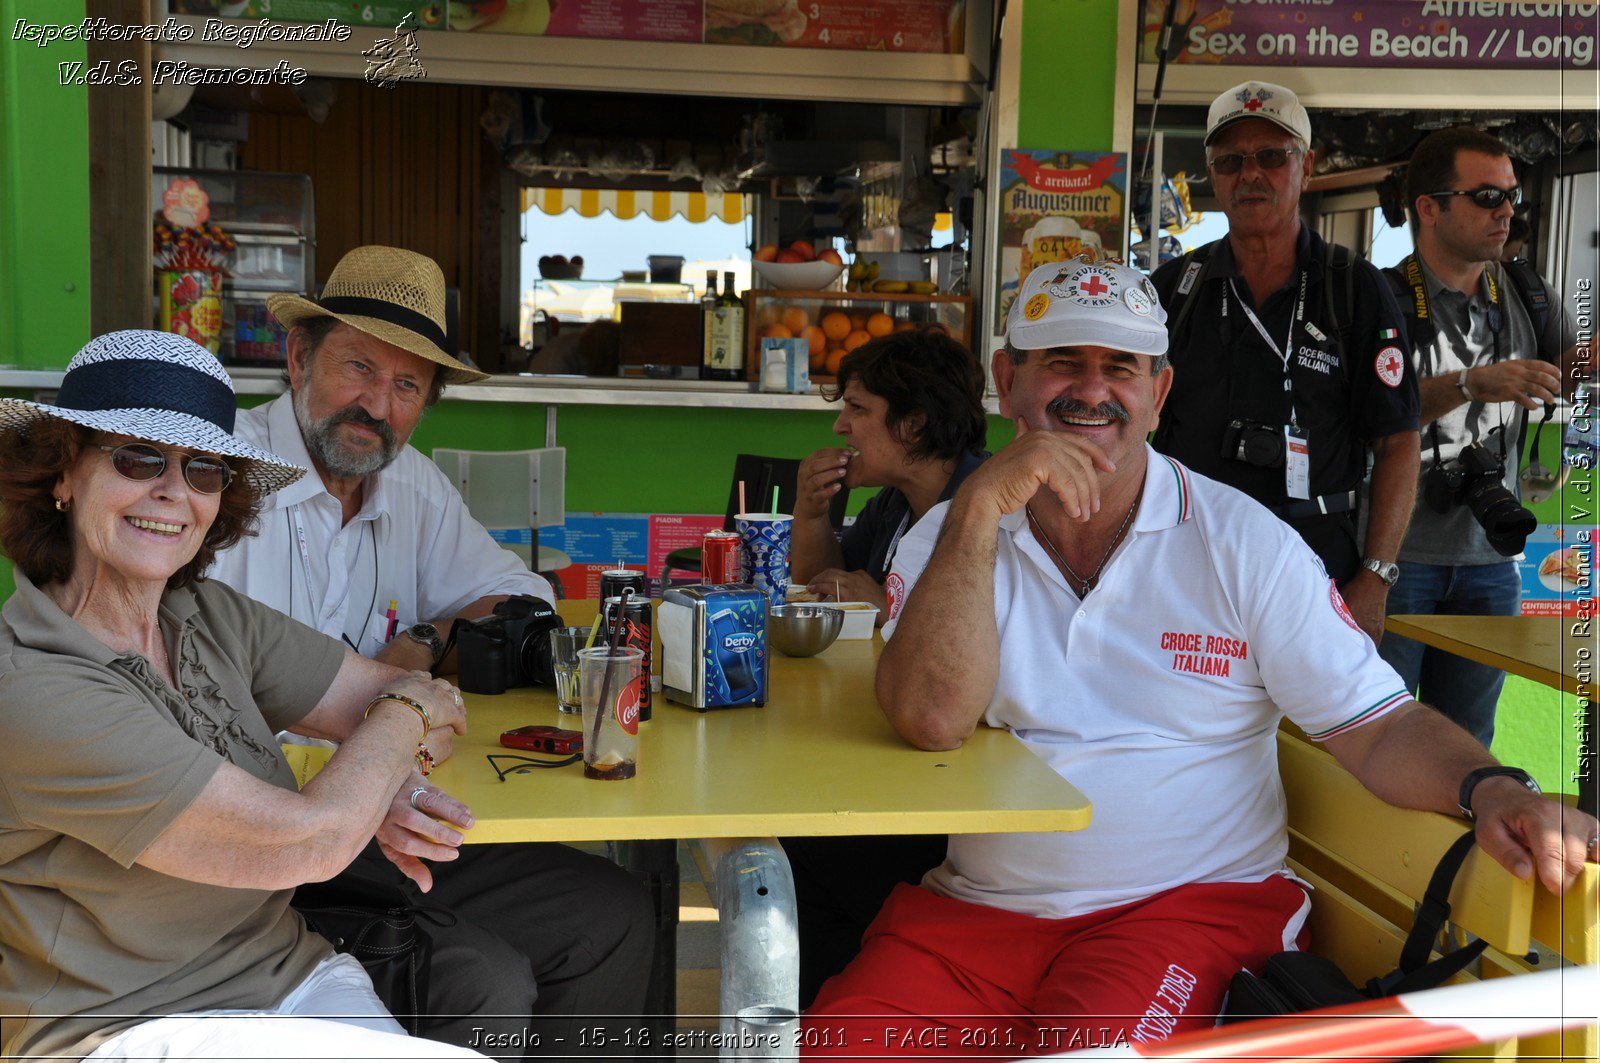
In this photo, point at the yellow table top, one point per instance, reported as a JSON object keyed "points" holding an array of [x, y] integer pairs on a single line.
{"points": [[1552, 650], [818, 759]]}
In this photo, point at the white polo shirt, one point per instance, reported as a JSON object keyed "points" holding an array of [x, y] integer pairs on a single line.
{"points": [[413, 541], [1159, 696]]}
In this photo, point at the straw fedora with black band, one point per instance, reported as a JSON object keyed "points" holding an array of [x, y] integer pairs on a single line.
{"points": [[388, 292]]}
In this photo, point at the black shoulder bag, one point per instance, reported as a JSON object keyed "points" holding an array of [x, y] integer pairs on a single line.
{"points": [[378, 925], [1303, 981]]}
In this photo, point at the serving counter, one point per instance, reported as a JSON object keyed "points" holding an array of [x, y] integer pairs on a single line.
{"points": [[538, 390]]}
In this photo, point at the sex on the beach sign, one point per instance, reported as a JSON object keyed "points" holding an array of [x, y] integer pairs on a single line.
{"points": [[1054, 206], [1460, 34]]}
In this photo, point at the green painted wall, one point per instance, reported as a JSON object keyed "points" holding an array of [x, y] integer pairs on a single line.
{"points": [[1068, 75], [44, 194]]}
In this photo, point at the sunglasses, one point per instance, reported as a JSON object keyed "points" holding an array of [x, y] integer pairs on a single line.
{"points": [[1266, 158], [141, 461], [1488, 197]]}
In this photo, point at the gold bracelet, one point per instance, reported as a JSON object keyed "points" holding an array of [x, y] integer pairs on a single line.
{"points": [[401, 699]]}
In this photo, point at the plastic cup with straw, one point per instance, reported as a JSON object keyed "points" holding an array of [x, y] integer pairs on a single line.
{"points": [[613, 646]]}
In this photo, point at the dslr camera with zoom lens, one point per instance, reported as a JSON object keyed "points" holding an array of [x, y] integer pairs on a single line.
{"points": [[508, 648], [1476, 478], [1253, 443]]}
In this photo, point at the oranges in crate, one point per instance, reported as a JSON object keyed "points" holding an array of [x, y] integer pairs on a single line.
{"points": [[880, 324], [834, 357], [777, 332], [836, 325], [795, 320], [856, 339]]}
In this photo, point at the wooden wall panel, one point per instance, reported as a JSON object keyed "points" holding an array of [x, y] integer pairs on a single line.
{"points": [[407, 167]]}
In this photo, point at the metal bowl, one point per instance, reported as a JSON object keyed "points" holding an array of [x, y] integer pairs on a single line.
{"points": [[804, 629]]}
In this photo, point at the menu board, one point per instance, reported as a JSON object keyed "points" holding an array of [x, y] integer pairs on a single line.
{"points": [[1397, 34], [623, 20], [1057, 205], [1557, 570], [874, 25], [852, 25]]}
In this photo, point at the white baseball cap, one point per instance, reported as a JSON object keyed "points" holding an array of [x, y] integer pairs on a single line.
{"points": [[1259, 99], [1078, 303]]}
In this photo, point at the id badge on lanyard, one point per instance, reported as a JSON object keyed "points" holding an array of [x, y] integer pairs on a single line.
{"points": [[1296, 462], [1296, 441]]}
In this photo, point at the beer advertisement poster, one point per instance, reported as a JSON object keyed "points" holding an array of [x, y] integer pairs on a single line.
{"points": [[1057, 205]]}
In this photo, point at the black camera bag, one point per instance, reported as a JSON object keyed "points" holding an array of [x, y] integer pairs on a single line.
{"points": [[1302, 981]]}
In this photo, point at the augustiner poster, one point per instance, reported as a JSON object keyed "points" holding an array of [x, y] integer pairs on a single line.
{"points": [[1056, 205]]}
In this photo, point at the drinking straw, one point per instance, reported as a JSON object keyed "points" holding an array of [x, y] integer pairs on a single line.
{"points": [[774, 503], [594, 629], [605, 683], [741, 498]]}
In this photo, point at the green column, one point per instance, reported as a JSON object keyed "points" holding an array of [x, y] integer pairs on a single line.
{"points": [[44, 193], [1068, 78]]}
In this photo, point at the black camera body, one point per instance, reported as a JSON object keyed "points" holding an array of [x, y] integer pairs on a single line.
{"points": [[1476, 478], [508, 648], [1253, 443]]}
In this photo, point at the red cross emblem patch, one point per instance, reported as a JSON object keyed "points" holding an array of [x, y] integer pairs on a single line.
{"points": [[1391, 366], [1095, 286], [1253, 105]]}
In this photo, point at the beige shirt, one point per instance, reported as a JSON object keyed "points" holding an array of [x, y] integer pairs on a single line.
{"points": [[98, 755]]}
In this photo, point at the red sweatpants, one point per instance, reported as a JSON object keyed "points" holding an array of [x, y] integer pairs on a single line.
{"points": [[941, 977]]}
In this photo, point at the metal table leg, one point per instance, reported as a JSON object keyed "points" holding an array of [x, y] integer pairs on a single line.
{"points": [[760, 991]]}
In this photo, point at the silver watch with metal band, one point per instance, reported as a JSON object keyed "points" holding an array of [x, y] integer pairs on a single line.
{"points": [[1470, 783], [1387, 571], [427, 635]]}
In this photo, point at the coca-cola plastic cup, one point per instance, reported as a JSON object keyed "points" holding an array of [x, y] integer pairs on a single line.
{"points": [[612, 686]]}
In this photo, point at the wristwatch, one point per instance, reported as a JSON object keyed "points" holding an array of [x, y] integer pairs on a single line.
{"points": [[1387, 571], [427, 635], [1470, 783], [1461, 382]]}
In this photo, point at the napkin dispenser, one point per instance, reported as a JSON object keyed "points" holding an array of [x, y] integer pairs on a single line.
{"points": [[714, 645]]}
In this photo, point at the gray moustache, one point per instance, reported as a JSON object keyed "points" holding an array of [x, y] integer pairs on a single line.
{"points": [[1065, 407]]}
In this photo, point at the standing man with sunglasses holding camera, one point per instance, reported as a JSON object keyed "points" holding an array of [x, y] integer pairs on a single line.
{"points": [[1487, 346], [1289, 356]]}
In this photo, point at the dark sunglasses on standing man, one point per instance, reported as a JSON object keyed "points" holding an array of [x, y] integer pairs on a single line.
{"points": [[141, 461], [1488, 197], [1266, 158]]}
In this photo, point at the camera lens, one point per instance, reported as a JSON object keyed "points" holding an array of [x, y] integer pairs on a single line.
{"points": [[1505, 521], [537, 656], [1261, 447]]}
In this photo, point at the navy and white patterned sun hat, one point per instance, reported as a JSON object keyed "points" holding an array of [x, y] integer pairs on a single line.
{"points": [[161, 387]]}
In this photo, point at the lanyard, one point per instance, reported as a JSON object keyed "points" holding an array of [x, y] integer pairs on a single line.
{"points": [[1426, 344], [1287, 349], [299, 529], [894, 543]]}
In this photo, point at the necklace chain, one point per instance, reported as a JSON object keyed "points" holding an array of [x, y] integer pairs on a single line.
{"points": [[1105, 558]]}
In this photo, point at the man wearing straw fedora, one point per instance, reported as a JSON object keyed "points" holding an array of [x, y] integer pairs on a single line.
{"points": [[541, 930]]}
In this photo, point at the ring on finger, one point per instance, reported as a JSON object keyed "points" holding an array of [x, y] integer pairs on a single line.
{"points": [[416, 793]]}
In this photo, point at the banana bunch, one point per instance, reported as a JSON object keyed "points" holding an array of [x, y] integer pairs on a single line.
{"points": [[861, 275], [901, 287]]}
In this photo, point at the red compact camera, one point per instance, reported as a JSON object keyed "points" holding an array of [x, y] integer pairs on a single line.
{"points": [[542, 739]]}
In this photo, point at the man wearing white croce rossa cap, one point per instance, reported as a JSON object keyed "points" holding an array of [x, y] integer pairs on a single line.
{"points": [[1143, 630]]}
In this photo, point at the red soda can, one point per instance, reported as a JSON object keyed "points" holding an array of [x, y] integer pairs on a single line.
{"points": [[613, 581], [634, 613], [721, 558]]}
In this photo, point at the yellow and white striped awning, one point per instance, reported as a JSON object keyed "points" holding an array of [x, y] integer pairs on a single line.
{"points": [[625, 203]]}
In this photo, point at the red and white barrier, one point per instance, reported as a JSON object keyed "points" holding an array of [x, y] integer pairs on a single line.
{"points": [[1414, 1024]]}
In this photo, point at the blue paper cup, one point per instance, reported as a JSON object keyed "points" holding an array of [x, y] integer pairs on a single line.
{"points": [[764, 545]]}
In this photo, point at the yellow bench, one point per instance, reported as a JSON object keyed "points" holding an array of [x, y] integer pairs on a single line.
{"points": [[1370, 864]]}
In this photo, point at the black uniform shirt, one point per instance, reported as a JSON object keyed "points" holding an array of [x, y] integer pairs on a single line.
{"points": [[869, 544], [1224, 370]]}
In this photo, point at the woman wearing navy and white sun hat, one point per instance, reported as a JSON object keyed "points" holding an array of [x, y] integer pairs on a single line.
{"points": [[151, 833]]}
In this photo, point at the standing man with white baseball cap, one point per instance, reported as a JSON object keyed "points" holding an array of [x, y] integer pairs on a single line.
{"points": [[1290, 358], [1143, 630]]}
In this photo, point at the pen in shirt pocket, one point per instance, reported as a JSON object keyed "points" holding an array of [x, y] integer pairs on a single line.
{"points": [[392, 614]]}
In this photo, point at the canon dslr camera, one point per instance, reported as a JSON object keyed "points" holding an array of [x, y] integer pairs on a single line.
{"points": [[508, 648], [1476, 478]]}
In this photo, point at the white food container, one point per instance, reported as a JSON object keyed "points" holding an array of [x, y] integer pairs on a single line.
{"points": [[860, 619]]}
